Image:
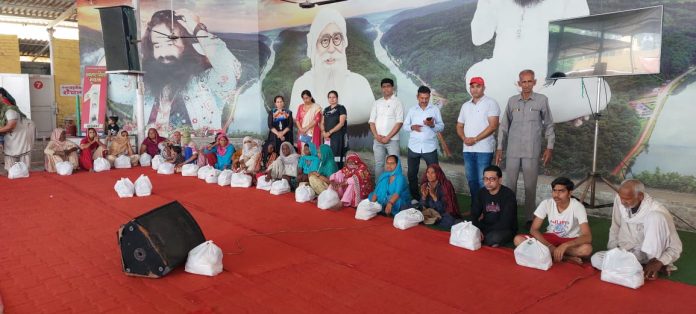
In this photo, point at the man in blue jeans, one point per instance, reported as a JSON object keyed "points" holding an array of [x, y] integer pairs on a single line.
{"points": [[423, 122], [478, 120], [386, 118]]}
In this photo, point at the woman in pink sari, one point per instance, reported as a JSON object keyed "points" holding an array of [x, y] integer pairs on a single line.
{"points": [[353, 182], [91, 148], [307, 121]]}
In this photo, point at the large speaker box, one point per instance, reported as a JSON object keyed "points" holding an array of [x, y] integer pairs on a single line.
{"points": [[119, 32], [158, 241]]}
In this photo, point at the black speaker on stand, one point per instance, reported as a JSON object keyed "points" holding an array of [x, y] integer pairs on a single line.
{"points": [[120, 35], [155, 243]]}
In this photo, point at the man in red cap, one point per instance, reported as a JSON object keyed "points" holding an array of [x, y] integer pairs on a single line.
{"points": [[478, 120]]}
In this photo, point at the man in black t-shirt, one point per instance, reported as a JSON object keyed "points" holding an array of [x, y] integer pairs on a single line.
{"points": [[494, 209]]}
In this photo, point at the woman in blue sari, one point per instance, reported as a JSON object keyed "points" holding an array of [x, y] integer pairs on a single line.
{"points": [[319, 180], [392, 190], [223, 151]]}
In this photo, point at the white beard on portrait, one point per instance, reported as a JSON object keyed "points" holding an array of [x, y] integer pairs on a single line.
{"points": [[329, 71]]}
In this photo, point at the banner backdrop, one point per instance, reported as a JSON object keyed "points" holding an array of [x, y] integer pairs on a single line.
{"points": [[93, 111], [259, 49]]}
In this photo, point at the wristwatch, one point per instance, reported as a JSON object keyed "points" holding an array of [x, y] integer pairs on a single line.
{"points": [[199, 27]]}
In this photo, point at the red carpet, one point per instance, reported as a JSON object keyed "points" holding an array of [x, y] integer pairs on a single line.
{"points": [[58, 253]]}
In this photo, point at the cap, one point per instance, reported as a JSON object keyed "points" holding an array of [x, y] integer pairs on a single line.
{"points": [[477, 80]]}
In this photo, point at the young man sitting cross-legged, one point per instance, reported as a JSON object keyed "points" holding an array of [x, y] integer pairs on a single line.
{"points": [[568, 235]]}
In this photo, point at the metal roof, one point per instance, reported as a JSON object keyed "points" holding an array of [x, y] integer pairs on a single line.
{"points": [[38, 9], [33, 48]]}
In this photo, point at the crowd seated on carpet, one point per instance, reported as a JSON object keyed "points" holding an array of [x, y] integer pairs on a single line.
{"points": [[321, 162]]}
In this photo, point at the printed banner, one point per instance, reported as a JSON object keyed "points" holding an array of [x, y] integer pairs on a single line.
{"points": [[93, 111]]}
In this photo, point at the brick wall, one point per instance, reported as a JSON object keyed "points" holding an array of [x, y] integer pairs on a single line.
{"points": [[9, 54]]}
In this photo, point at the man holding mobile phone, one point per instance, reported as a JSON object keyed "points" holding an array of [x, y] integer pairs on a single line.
{"points": [[423, 122]]}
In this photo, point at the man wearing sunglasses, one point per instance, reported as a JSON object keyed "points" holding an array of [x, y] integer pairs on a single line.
{"points": [[326, 48]]}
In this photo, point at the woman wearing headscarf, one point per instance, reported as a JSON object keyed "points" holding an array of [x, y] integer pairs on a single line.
{"points": [[308, 162], [223, 151], [210, 157], [285, 166], [17, 131], [91, 148], [151, 144], [437, 193], [307, 120], [250, 159], [353, 182], [121, 145], [280, 124], [392, 190], [191, 155], [58, 150], [319, 180], [334, 128]]}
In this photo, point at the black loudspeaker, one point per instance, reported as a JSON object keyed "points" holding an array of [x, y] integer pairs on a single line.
{"points": [[158, 241], [119, 32]]}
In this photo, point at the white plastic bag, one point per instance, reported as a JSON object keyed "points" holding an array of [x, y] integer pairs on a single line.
{"points": [[280, 187], [531, 253], [408, 218], [367, 210], [240, 180], [225, 177], [203, 171], [145, 160], [262, 184], [101, 164], [304, 193], [18, 170], [328, 200], [189, 170], [212, 176], [156, 162], [122, 162], [465, 235], [143, 186], [124, 188], [64, 168], [166, 168], [204, 259], [622, 268]]}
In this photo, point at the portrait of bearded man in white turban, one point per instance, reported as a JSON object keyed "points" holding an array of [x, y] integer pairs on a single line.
{"points": [[520, 29], [326, 48]]}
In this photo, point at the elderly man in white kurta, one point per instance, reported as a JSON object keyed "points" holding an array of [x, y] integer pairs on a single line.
{"points": [[644, 227], [326, 48]]}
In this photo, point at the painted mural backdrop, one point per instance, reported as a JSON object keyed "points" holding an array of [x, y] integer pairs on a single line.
{"points": [[201, 61], [277, 48]]}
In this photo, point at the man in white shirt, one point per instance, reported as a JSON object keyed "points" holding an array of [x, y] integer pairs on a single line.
{"points": [[423, 122], [386, 118], [568, 235], [644, 227], [478, 120]]}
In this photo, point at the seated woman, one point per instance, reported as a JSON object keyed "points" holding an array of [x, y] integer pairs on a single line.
{"points": [[174, 155], [91, 148], [223, 151], [189, 152], [319, 180], [308, 162], [151, 144], [437, 193], [392, 188], [250, 160], [353, 182], [120, 145], [58, 150], [267, 158], [210, 158], [285, 166]]}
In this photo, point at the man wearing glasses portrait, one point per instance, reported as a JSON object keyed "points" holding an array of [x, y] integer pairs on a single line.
{"points": [[326, 48]]}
